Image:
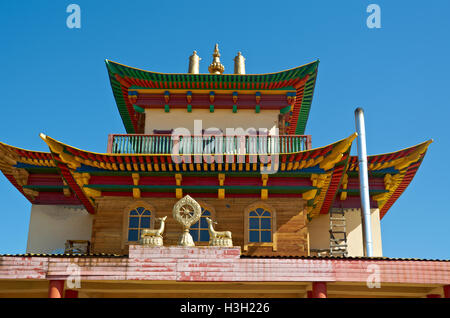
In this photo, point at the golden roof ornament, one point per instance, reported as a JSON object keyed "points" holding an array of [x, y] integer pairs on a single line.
{"points": [[216, 67], [194, 63], [239, 64]]}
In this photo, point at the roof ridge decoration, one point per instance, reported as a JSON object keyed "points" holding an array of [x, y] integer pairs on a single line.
{"points": [[216, 67], [302, 79]]}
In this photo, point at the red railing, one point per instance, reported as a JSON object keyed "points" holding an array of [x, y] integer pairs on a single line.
{"points": [[164, 144]]}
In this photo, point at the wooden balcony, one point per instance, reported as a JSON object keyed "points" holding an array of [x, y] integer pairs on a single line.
{"points": [[165, 143]]}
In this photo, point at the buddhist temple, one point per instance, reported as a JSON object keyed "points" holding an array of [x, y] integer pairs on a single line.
{"points": [[215, 190]]}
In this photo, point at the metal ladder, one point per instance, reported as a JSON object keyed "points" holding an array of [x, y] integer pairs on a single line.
{"points": [[338, 233]]}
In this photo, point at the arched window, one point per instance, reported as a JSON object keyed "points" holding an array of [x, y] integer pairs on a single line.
{"points": [[260, 226], [138, 218], [199, 230]]}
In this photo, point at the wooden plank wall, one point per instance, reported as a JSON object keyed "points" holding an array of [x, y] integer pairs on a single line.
{"points": [[291, 235]]}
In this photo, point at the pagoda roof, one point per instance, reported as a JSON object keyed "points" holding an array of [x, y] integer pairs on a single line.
{"points": [[35, 175], [394, 171], [301, 79], [325, 177], [314, 174]]}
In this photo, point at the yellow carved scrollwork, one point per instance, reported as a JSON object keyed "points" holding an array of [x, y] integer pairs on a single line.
{"points": [[337, 153]]}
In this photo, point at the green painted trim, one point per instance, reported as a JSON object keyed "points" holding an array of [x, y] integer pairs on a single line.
{"points": [[49, 170], [234, 108], [285, 109], [257, 109], [138, 109], [166, 108], [306, 103], [189, 108], [45, 188], [211, 108], [283, 189], [202, 174], [356, 191]]}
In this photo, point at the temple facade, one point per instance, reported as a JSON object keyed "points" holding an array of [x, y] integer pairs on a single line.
{"points": [[215, 190]]}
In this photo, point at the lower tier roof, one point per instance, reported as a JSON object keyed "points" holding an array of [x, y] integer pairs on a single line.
{"points": [[325, 177]]}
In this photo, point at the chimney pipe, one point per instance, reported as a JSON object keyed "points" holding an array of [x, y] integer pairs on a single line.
{"points": [[364, 180]]}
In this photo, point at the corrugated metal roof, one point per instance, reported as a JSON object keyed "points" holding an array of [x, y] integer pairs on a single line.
{"points": [[242, 256], [362, 258], [64, 255]]}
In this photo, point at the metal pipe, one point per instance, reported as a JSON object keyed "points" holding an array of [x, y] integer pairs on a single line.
{"points": [[364, 180]]}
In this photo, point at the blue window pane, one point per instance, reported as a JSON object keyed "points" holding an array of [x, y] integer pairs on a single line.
{"points": [[203, 223], [206, 213], [266, 213], [145, 222], [253, 213], [259, 211], [140, 210], [195, 226], [132, 235], [254, 236], [134, 222], [266, 223], [147, 212], [253, 223], [194, 234], [133, 212], [265, 236], [204, 236]]}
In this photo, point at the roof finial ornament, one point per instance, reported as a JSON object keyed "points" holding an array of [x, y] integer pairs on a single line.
{"points": [[216, 67], [239, 64], [194, 63]]}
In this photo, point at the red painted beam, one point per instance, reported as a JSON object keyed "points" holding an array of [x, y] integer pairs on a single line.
{"points": [[221, 101], [45, 179], [57, 198]]}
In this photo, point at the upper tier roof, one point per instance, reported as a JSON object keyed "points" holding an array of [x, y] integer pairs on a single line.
{"points": [[301, 79]]}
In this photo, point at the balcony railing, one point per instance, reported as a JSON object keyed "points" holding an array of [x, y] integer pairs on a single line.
{"points": [[164, 144]]}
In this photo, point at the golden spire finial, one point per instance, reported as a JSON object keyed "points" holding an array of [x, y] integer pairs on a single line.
{"points": [[216, 67]]}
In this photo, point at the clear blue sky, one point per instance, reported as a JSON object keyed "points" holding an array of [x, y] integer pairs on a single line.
{"points": [[53, 80]]}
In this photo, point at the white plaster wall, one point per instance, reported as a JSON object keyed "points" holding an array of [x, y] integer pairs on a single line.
{"points": [[220, 118], [52, 225], [319, 236]]}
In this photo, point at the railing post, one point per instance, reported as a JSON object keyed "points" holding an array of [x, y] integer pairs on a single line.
{"points": [[110, 143]]}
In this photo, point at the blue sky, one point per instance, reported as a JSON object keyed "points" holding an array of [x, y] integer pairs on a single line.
{"points": [[53, 80]]}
